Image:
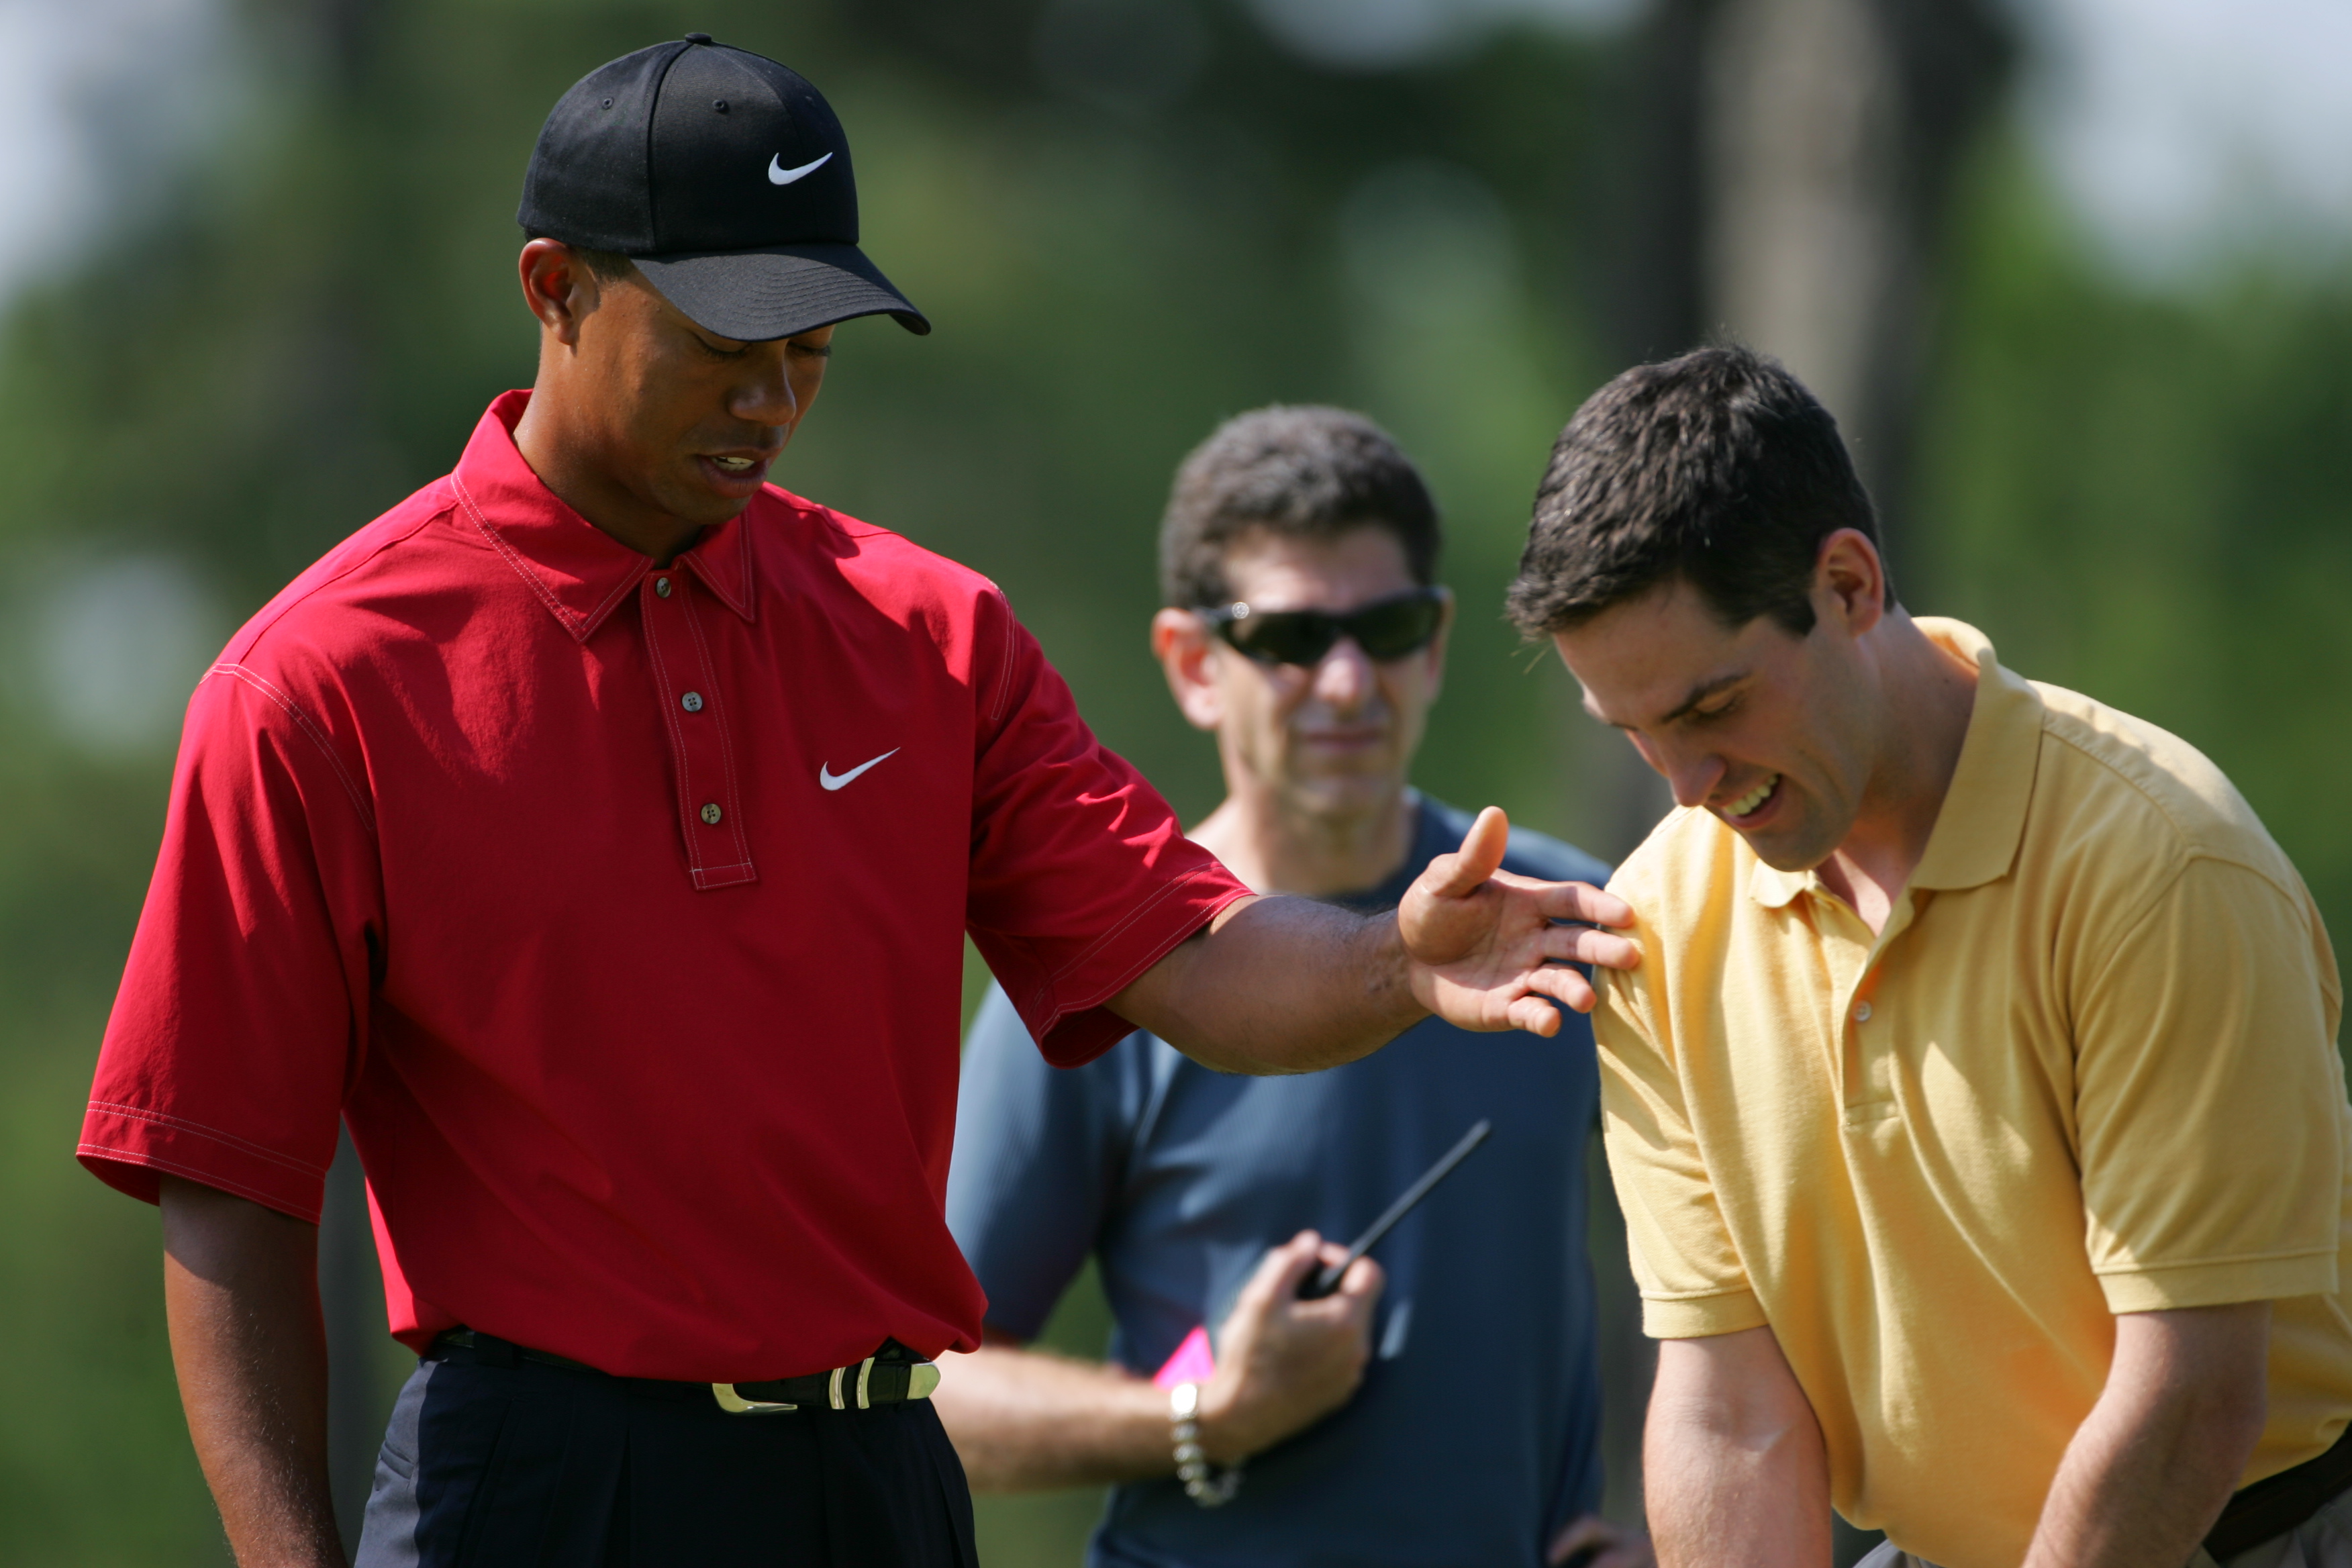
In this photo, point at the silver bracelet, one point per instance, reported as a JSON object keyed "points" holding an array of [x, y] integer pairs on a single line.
{"points": [[1192, 1464]]}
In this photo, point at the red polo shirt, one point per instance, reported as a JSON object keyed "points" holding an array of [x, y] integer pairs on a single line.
{"points": [[618, 911]]}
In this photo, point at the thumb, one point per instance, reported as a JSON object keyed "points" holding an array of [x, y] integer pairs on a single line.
{"points": [[1480, 857]]}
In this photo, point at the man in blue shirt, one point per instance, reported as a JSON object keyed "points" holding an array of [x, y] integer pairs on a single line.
{"points": [[1442, 1407]]}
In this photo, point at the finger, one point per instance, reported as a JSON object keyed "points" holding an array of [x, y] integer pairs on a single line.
{"points": [[1465, 871], [1534, 1010], [1563, 985], [1533, 1014], [1583, 944], [1363, 1282], [1284, 1266], [1581, 901]]}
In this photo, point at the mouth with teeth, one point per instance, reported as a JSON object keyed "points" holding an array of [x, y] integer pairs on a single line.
{"points": [[734, 465], [1751, 803]]}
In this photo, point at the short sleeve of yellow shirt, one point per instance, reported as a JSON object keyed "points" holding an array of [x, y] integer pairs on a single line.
{"points": [[2087, 1068], [1683, 1254], [2208, 1119]]}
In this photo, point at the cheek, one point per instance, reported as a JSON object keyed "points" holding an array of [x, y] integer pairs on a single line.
{"points": [[807, 383], [658, 397], [1246, 709], [1274, 704], [1410, 691]]}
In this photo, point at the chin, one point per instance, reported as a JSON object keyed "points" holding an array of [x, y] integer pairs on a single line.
{"points": [[1342, 796], [698, 506], [1792, 851]]}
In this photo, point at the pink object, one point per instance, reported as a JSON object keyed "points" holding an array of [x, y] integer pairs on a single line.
{"points": [[1193, 1362]]}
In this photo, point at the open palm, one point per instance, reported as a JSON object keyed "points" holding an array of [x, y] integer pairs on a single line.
{"points": [[1487, 949]]}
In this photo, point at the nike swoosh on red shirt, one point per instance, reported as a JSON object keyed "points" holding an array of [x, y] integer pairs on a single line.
{"points": [[830, 780]]}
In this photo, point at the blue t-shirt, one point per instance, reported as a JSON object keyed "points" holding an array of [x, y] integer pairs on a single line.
{"points": [[1475, 1435]]}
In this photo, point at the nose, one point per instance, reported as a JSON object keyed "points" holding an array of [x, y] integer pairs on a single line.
{"points": [[765, 396], [1693, 775], [1344, 679]]}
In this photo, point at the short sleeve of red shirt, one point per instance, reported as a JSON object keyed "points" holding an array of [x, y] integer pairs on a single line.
{"points": [[1081, 877], [243, 1005]]}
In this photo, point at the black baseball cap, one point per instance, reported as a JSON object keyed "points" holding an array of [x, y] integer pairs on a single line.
{"points": [[725, 177]]}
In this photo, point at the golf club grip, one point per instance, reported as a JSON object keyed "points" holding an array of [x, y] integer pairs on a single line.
{"points": [[1323, 1281]]}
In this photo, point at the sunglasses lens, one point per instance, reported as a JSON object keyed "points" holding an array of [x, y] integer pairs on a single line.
{"points": [[1390, 629], [1397, 627], [1284, 637]]}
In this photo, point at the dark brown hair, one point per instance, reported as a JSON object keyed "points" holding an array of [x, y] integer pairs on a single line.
{"points": [[605, 266], [1718, 469], [1297, 472]]}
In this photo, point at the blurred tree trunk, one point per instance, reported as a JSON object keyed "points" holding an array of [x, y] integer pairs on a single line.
{"points": [[1784, 177], [1835, 132]]}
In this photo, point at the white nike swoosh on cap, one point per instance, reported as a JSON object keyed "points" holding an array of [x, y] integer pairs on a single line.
{"points": [[779, 176], [830, 780]]}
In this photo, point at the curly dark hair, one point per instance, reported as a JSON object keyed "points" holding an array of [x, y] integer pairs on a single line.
{"points": [[1718, 469], [1298, 472]]}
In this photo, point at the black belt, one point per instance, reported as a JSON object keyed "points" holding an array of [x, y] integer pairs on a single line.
{"points": [[2276, 1504], [891, 1375]]}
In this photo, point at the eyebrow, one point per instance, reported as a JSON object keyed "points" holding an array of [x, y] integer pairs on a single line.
{"points": [[1698, 694]]}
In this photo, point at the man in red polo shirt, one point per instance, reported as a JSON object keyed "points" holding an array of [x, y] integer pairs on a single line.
{"points": [[594, 833]]}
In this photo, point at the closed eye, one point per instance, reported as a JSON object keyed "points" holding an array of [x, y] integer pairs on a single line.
{"points": [[1701, 715]]}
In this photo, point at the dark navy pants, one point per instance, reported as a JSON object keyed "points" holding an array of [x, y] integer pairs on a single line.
{"points": [[532, 1465]]}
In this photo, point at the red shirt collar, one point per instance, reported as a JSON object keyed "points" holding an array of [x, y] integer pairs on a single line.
{"points": [[578, 572]]}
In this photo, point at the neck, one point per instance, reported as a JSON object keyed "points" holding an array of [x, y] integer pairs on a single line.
{"points": [[1926, 697], [1280, 846], [565, 452]]}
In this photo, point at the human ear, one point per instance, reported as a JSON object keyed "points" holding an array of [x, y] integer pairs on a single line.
{"points": [[1181, 643], [559, 288], [1850, 581]]}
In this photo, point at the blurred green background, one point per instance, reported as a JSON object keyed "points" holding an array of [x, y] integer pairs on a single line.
{"points": [[1129, 218]]}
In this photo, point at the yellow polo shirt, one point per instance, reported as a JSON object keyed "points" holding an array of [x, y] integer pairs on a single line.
{"points": [[2088, 1067]]}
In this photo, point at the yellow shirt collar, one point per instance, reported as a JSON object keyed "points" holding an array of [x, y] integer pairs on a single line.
{"points": [[1983, 816]]}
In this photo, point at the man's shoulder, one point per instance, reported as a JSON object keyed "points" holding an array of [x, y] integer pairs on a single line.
{"points": [[335, 607], [1689, 861], [2132, 793], [823, 546]]}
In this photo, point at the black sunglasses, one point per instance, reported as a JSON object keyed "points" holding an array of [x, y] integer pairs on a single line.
{"points": [[1386, 629]]}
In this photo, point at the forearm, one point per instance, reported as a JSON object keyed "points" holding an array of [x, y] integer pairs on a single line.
{"points": [[1279, 986], [1026, 1420], [241, 1296], [1734, 1471], [2150, 1467]]}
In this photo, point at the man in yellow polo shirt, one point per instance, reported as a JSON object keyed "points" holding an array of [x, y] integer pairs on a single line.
{"points": [[1975, 1109]]}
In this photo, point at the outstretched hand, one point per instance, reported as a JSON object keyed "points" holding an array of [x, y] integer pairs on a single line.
{"points": [[1484, 948]]}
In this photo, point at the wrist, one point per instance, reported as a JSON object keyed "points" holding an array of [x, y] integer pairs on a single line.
{"points": [[1402, 987], [1226, 1432], [1207, 1483]]}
